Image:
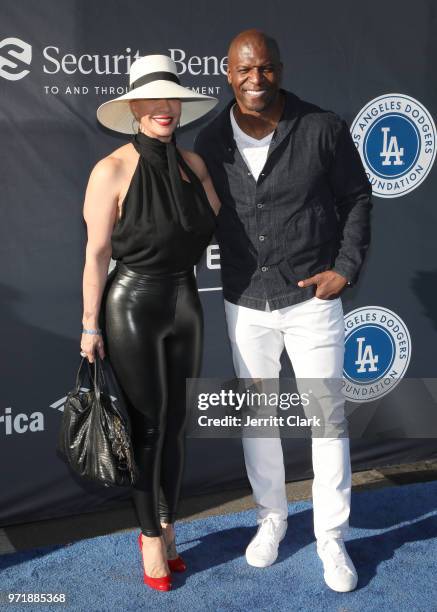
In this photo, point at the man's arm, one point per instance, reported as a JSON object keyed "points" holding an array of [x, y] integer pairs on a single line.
{"points": [[352, 192]]}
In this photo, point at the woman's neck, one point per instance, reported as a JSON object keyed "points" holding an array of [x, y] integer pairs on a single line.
{"points": [[164, 139]]}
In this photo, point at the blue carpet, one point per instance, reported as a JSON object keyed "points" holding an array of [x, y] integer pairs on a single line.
{"points": [[392, 541]]}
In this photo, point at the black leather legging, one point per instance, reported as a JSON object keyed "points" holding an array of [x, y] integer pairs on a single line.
{"points": [[153, 330]]}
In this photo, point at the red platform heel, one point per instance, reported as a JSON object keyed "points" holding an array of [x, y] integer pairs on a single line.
{"points": [[177, 565], [160, 584]]}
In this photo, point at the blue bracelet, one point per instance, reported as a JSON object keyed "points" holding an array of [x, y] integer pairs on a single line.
{"points": [[97, 332]]}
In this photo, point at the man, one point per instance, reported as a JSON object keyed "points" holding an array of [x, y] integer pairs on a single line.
{"points": [[293, 231]]}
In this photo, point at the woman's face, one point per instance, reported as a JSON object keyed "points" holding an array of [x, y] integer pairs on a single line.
{"points": [[157, 118]]}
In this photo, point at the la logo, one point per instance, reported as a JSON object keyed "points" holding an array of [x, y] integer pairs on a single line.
{"points": [[390, 148], [366, 357]]}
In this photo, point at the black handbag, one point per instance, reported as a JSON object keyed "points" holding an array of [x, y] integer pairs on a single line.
{"points": [[94, 438]]}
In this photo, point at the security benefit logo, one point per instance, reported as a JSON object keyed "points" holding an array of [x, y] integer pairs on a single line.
{"points": [[15, 57], [85, 73], [396, 138], [377, 353]]}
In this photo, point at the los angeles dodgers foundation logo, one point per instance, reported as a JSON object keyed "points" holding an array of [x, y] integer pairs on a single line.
{"points": [[377, 353], [396, 138]]}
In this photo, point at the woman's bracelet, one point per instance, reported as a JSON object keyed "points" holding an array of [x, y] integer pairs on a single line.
{"points": [[97, 332]]}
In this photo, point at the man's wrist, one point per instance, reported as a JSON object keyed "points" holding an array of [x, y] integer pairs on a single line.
{"points": [[348, 282], [346, 276]]}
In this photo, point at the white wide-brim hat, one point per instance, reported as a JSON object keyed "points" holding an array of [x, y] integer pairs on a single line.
{"points": [[153, 76]]}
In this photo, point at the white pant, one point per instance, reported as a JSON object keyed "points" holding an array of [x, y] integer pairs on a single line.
{"points": [[313, 335]]}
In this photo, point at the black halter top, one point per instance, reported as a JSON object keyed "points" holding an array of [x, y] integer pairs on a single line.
{"points": [[166, 222]]}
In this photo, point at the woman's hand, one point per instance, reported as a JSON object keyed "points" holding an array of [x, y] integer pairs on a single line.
{"points": [[89, 344]]}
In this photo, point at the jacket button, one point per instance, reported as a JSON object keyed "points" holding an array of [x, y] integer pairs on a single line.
{"points": [[249, 174], [261, 238], [260, 205]]}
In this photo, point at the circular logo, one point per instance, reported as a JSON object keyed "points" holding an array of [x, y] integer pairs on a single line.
{"points": [[396, 138], [377, 353]]}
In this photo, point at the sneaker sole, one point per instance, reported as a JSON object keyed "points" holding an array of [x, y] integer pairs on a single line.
{"points": [[257, 563], [339, 589]]}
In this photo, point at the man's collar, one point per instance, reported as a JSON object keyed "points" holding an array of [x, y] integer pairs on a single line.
{"points": [[287, 121]]}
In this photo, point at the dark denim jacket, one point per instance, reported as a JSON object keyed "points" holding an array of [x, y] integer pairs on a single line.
{"points": [[308, 212]]}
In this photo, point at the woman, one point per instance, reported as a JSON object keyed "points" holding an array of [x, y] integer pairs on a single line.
{"points": [[152, 208]]}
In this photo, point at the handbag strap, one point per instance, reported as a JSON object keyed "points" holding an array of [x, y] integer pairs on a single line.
{"points": [[78, 375], [99, 377]]}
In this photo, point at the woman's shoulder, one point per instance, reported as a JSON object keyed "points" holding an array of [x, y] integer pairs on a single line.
{"points": [[114, 165]]}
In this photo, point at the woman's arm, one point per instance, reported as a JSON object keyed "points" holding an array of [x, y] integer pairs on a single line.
{"points": [[100, 212], [198, 166]]}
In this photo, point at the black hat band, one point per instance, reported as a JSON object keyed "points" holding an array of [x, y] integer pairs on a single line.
{"points": [[154, 76]]}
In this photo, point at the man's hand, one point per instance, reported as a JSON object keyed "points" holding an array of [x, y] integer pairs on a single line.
{"points": [[329, 284]]}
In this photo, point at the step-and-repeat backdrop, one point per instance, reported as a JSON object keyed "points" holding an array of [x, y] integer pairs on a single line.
{"points": [[370, 62]]}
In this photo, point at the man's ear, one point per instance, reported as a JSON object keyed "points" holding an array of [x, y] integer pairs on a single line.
{"points": [[229, 77]]}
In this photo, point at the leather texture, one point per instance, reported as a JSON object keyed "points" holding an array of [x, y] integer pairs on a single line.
{"points": [[153, 334], [94, 437]]}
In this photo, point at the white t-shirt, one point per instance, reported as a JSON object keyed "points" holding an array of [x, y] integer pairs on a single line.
{"points": [[253, 151]]}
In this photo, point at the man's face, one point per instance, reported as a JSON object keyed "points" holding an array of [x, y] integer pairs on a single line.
{"points": [[254, 74]]}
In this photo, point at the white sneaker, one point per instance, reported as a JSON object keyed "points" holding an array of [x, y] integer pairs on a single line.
{"points": [[263, 548], [339, 571]]}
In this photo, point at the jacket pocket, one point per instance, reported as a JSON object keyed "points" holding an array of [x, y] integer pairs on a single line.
{"points": [[311, 238]]}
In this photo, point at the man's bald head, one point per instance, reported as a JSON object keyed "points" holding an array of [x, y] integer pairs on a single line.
{"points": [[254, 38], [255, 71]]}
